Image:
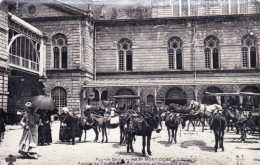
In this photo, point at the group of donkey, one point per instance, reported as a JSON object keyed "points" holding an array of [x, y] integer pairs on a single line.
{"points": [[133, 124], [175, 114]]}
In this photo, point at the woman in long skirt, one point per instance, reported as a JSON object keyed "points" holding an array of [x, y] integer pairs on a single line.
{"points": [[63, 134], [29, 140], [44, 130]]}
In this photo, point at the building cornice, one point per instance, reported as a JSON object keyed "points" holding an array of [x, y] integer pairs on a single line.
{"points": [[59, 71], [165, 20], [217, 71]]}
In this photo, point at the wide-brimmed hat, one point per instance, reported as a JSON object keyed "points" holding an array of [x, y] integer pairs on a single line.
{"points": [[65, 109], [87, 107], [29, 105]]}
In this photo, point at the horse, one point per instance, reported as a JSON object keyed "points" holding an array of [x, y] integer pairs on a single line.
{"points": [[123, 124], [163, 110], [204, 107], [179, 108], [191, 118], [218, 124], [87, 121], [205, 111], [231, 120], [87, 124], [254, 121], [142, 125], [172, 123], [106, 121], [187, 114]]}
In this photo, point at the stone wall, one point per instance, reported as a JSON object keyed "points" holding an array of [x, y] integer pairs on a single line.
{"points": [[3, 56], [150, 44]]}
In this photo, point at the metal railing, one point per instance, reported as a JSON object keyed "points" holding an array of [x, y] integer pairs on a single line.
{"points": [[23, 62]]}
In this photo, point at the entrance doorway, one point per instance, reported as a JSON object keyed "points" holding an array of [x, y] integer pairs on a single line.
{"points": [[176, 96]]}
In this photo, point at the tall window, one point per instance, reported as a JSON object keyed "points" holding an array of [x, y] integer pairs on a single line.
{"points": [[249, 44], [59, 42], [125, 55], [175, 53], [23, 52], [184, 7], [150, 100], [59, 96], [211, 52]]}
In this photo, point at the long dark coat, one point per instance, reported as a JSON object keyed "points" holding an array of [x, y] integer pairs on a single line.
{"points": [[44, 130]]}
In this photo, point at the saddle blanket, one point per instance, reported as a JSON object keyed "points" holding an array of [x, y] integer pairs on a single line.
{"points": [[114, 120]]}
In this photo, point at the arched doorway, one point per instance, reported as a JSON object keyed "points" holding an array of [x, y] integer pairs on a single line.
{"points": [[124, 91], [125, 103], [212, 99], [176, 95]]}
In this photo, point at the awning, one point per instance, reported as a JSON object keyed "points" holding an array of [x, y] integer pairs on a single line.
{"points": [[233, 94], [172, 81], [249, 94], [127, 97], [25, 24], [222, 94]]}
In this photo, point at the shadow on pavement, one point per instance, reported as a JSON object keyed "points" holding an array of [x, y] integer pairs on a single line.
{"points": [[239, 141], [197, 143], [132, 154], [166, 143], [248, 148]]}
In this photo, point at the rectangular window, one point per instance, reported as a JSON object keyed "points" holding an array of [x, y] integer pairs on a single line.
{"points": [[56, 58], [207, 58], [64, 58], [244, 57], [171, 59], [179, 59], [184, 7], [243, 6], [121, 60], [129, 60], [215, 59], [253, 57]]}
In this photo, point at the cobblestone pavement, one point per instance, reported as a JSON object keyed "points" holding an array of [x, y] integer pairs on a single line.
{"points": [[192, 147]]}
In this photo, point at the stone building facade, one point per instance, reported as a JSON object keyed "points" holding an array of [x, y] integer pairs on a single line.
{"points": [[4, 69], [163, 51], [175, 51], [68, 44]]}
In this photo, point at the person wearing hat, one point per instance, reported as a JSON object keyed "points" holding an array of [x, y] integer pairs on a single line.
{"points": [[63, 127], [29, 140]]}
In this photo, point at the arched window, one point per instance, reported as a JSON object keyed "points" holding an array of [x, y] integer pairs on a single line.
{"points": [[125, 55], [59, 96], [175, 53], [59, 43], [23, 52], [212, 99], [249, 45], [150, 100], [211, 51]]}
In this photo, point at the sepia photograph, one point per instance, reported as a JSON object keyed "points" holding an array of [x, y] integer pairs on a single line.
{"points": [[131, 82]]}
